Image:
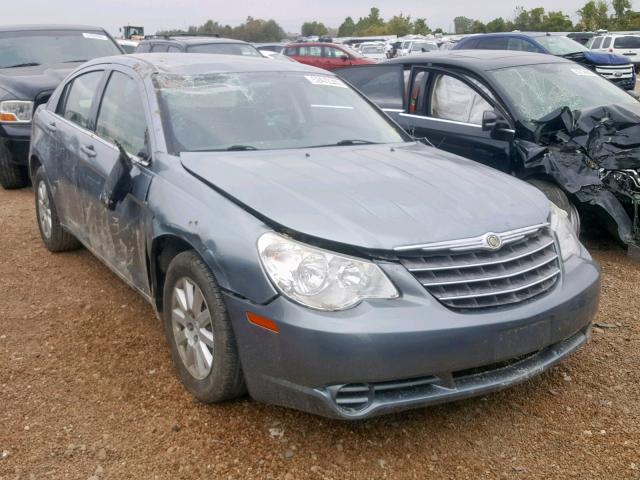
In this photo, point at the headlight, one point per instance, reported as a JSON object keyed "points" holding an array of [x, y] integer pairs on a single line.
{"points": [[16, 111], [560, 224], [318, 278]]}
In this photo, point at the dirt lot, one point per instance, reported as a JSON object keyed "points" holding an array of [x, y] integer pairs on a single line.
{"points": [[87, 390]]}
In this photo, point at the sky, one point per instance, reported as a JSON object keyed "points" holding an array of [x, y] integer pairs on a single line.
{"points": [[290, 14]]}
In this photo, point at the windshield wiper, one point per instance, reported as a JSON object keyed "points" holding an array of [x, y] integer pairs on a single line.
{"points": [[28, 64], [355, 141], [82, 60], [240, 148]]}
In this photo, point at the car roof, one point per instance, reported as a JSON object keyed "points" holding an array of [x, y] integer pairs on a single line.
{"points": [[202, 63], [20, 28], [517, 34], [480, 60], [313, 44], [192, 40]]}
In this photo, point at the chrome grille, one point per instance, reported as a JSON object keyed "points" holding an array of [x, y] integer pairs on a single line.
{"points": [[615, 72], [470, 279]]}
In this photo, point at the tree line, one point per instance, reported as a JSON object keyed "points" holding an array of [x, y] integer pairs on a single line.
{"points": [[371, 25], [252, 30], [594, 15]]}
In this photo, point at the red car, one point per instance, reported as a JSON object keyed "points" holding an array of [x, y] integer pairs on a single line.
{"points": [[325, 55]]}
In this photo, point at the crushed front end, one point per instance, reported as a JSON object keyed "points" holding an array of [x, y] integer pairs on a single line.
{"points": [[594, 155]]}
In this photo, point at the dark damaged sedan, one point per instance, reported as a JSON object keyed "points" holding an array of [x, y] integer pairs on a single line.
{"points": [[542, 118], [296, 243]]}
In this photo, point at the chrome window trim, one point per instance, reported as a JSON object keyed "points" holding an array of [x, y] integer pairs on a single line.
{"points": [[474, 243], [443, 120]]}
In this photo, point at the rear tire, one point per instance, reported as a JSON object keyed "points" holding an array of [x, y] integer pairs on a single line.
{"points": [[199, 333], [53, 235], [12, 176], [560, 199]]}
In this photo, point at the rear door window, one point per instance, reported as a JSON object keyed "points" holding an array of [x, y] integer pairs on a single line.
{"points": [[310, 51], [332, 52], [607, 42], [521, 45], [628, 41], [159, 47], [493, 43], [597, 43], [173, 48], [79, 99], [382, 84]]}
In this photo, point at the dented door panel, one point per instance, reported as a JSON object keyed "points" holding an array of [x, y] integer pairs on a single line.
{"points": [[117, 235]]}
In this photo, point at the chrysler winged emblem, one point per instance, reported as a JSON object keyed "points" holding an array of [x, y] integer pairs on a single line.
{"points": [[492, 241]]}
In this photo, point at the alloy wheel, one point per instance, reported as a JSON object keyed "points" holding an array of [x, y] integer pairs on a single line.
{"points": [[44, 209], [192, 328]]}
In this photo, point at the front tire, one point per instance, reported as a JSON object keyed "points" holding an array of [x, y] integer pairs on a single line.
{"points": [[53, 235], [199, 333], [12, 176], [560, 199]]}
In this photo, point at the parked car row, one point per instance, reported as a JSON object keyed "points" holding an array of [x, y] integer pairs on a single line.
{"points": [[312, 238], [615, 68]]}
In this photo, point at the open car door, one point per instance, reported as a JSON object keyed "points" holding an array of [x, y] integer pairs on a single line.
{"points": [[383, 84], [443, 106]]}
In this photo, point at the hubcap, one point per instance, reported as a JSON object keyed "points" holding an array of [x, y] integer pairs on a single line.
{"points": [[44, 209], [192, 328]]}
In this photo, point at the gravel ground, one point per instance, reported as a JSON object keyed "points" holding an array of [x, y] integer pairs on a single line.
{"points": [[87, 390]]}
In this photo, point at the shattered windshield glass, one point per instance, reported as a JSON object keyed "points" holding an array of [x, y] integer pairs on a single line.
{"points": [[537, 90], [558, 45], [266, 110]]}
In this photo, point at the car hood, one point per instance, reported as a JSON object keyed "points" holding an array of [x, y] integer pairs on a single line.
{"points": [[26, 82], [599, 58], [374, 196]]}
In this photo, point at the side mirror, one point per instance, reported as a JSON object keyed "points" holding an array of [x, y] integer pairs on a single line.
{"points": [[344, 57], [119, 182], [489, 121], [497, 125], [144, 155]]}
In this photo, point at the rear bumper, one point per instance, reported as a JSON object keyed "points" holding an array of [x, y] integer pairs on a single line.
{"points": [[16, 139], [409, 352]]}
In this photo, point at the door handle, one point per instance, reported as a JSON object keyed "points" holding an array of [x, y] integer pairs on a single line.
{"points": [[88, 150], [52, 126]]}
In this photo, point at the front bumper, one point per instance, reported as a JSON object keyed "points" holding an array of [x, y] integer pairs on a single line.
{"points": [[409, 352], [16, 138], [626, 84]]}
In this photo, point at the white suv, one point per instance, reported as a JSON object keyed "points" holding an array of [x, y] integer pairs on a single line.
{"points": [[627, 45]]}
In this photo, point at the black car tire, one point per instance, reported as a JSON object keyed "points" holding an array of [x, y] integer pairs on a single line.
{"points": [[12, 176], [560, 199], [225, 380], [59, 239]]}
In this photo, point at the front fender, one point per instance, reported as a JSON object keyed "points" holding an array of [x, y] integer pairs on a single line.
{"points": [[221, 232]]}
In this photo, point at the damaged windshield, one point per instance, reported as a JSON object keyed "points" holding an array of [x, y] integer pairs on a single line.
{"points": [[558, 45], [537, 90], [265, 111], [45, 47]]}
